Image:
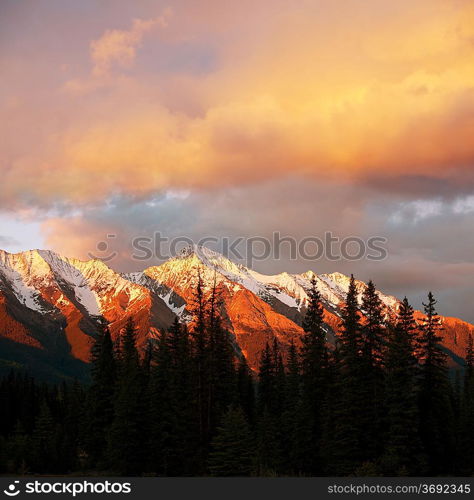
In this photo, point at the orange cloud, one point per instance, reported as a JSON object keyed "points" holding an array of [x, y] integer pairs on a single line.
{"points": [[340, 90], [115, 48], [74, 236], [119, 46]]}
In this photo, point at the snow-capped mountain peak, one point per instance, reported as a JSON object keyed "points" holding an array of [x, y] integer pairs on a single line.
{"points": [[291, 290], [34, 274], [94, 282], [63, 298]]}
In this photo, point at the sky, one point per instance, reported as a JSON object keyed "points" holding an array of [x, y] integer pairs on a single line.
{"points": [[241, 119]]}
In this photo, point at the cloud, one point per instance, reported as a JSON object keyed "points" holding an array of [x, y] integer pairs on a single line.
{"points": [[246, 118], [416, 211], [393, 98], [7, 241], [19, 232], [119, 46], [464, 205], [254, 210], [421, 257], [115, 49]]}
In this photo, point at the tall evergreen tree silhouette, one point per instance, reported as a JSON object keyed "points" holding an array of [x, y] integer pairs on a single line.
{"points": [[269, 412], [346, 452], [246, 391], [173, 430], [279, 383], [403, 447], [200, 335], [43, 441], [162, 417], [373, 331], [127, 449], [233, 451], [100, 398], [292, 418], [220, 362], [466, 437], [266, 375], [71, 424], [436, 417], [314, 368]]}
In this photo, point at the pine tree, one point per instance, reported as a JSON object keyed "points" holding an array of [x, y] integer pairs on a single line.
{"points": [[173, 431], [71, 425], [314, 364], [373, 326], [292, 414], [266, 376], [373, 331], [18, 450], [436, 413], [232, 452], [43, 441], [314, 353], [200, 357], [403, 447], [161, 408], [100, 398], [279, 381], [220, 360], [293, 379], [469, 357], [466, 434], [246, 391], [351, 336], [331, 431], [126, 447], [269, 412], [345, 451]]}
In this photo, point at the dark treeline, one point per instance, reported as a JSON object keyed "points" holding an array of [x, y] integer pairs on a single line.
{"points": [[380, 402]]}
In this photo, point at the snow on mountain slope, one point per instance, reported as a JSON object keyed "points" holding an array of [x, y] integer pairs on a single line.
{"points": [[250, 319], [256, 307], [92, 282], [174, 302], [78, 293], [54, 303], [291, 290], [24, 271]]}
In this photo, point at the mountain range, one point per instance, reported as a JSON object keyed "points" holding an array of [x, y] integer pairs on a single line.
{"points": [[50, 307]]}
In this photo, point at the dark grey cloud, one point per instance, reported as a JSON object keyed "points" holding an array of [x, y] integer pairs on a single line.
{"points": [[7, 241], [429, 241], [454, 182]]}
